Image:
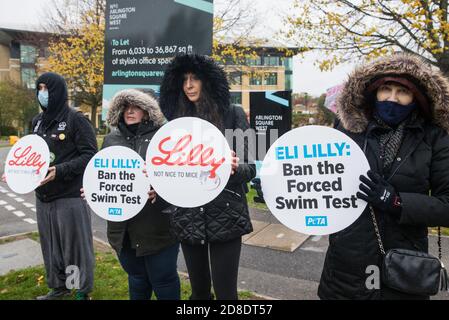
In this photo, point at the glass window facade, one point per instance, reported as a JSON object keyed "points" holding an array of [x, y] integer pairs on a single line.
{"points": [[236, 98], [255, 80], [235, 78], [271, 79], [254, 62], [288, 63], [28, 54], [288, 82], [271, 61], [29, 78]]}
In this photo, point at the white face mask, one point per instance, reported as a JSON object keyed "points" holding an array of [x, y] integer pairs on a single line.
{"points": [[42, 96]]}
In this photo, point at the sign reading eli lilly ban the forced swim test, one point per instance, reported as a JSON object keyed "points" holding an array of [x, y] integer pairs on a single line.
{"points": [[27, 164], [310, 177], [114, 184], [188, 162]]}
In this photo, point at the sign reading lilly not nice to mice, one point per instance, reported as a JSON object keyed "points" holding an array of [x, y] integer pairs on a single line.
{"points": [[114, 184], [189, 162], [27, 164], [310, 177]]}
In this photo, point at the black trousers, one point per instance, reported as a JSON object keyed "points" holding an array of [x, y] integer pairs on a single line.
{"points": [[224, 264]]}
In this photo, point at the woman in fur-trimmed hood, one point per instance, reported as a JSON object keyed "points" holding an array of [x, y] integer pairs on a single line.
{"points": [[146, 249], [397, 110], [196, 86]]}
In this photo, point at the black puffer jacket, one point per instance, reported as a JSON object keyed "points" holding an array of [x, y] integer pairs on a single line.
{"points": [[148, 231], [420, 174], [227, 216]]}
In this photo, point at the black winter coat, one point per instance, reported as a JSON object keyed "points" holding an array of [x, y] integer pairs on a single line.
{"points": [[227, 216], [148, 231], [420, 174]]}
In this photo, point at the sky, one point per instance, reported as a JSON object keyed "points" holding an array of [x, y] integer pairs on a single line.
{"points": [[26, 14]]}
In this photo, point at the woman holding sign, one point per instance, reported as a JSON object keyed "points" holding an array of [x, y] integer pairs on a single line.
{"points": [[396, 109], [195, 86], [145, 248]]}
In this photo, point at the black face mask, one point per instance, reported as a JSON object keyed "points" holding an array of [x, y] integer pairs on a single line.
{"points": [[393, 113], [57, 94]]}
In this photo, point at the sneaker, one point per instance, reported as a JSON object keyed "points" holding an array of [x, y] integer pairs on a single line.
{"points": [[81, 296], [55, 294]]}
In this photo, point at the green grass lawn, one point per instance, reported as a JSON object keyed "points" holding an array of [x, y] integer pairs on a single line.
{"points": [[250, 198], [111, 282], [100, 139], [434, 231]]}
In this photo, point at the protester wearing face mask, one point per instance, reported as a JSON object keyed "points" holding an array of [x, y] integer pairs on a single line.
{"points": [[63, 218], [396, 109]]}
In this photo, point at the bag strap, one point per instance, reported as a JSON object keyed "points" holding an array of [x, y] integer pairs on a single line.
{"points": [[376, 229], [379, 239], [440, 255]]}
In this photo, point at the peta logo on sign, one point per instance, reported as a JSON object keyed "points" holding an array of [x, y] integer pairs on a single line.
{"points": [[316, 221], [310, 178], [115, 211]]}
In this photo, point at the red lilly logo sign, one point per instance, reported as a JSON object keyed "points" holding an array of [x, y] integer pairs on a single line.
{"points": [[188, 162], [180, 155], [27, 158], [27, 164]]}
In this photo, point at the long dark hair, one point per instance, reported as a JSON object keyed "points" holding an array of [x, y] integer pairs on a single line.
{"points": [[206, 108]]}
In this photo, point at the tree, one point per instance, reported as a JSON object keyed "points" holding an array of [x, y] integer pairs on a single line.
{"points": [[78, 57], [325, 116], [232, 26], [346, 30], [18, 106], [66, 16]]}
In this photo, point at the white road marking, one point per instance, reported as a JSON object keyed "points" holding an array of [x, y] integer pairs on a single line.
{"points": [[313, 249], [28, 205], [12, 195], [31, 221], [9, 208], [19, 214], [33, 209], [316, 238], [19, 199], [4, 191], [3, 202]]}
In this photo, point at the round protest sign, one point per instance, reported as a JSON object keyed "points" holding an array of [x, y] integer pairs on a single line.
{"points": [[310, 177], [27, 164], [189, 162], [114, 184]]}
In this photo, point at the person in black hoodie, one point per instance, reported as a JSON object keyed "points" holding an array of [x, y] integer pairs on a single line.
{"points": [[146, 249], [64, 220], [195, 86]]}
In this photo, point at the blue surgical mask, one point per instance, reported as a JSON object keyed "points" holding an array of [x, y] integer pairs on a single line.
{"points": [[393, 113], [42, 96]]}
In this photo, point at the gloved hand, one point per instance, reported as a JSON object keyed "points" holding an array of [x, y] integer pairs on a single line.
{"points": [[380, 194], [258, 187]]}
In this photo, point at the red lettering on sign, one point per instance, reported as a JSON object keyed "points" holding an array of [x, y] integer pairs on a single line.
{"points": [[25, 159], [180, 156]]}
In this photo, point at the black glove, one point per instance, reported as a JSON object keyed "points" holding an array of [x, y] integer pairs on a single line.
{"points": [[258, 187], [380, 194]]}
